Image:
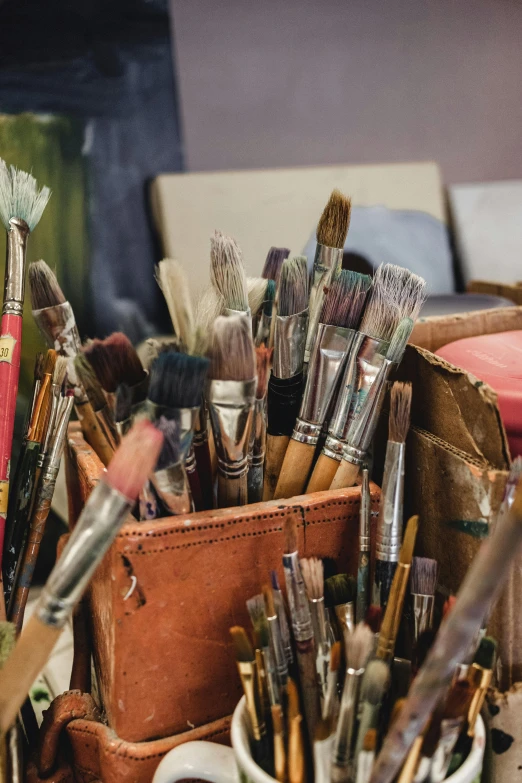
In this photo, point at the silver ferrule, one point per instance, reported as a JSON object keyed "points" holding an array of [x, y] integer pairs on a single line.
{"points": [[364, 513], [326, 262], [422, 612], [327, 259], [258, 434], [55, 399], [277, 650], [318, 621], [246, 313], [171, 485], [297, 599], [368, 361], [326, 362], [391, 508], [54, 455], [231, 407], [339, 423], [185, 418], [289, 344], [14, 281], [58, 326], [347, 716], [98, 525]]}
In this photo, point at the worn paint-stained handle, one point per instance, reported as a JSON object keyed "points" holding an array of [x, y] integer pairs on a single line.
{"points": [[323, 475], [296, 467], [93, 433], [346, 475], [276, 446], [232, 491]]}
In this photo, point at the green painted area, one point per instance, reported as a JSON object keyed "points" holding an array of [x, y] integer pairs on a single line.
{"points": [[475, 528], [40, 694]]}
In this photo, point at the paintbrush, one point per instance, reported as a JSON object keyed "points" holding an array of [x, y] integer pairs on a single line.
{"points": [[227, 274], [285, 387], [106, 509], [278, 730], [274, 263], [340, 594], [264, 331], [331, 344], [172, 279], [41, 509], [168, 490], [296, 743], [332, 230], [366, 757], [103, 431], [363, 570], [230, 398], [362, 426], [246, 666], [262, 637], [423, 584], [479, 676], [22, 204], [302, 626], [24, 483], [331, 700], [256, 288], [37, 379], [391, 505], [323, 746], [280, 608], [277, 649], [258, 433], [358, 648], [59, 380], [375, 684], [312, 571]]}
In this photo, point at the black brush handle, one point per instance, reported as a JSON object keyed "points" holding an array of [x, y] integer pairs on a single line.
{"points": [[283, 403], [384, 573]]}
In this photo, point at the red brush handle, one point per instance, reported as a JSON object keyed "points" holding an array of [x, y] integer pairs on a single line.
{"points": [[10, 350]]}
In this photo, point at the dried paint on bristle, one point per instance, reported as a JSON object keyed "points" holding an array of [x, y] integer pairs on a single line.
{"points": [[274, 262], [374, 618], [123, 403], [242, 646], [268, 598], [270, 293], [335, 656], [60, 370], [358, 645], [134, 459], [376, 682], [423, 579], [232, 354], [20, 196], [256, 294], [485, 655], [400, 405], [263, 361], [408, 542], [89, 382], [177, 380], [345, 298], [172, 279], [170, 453], [290, 534], [411, 295], [256, 611], [115, 361], [293, 287], [293, 699], [227, 273], [370, 741], [399, 340], [339, 589], [312, 571], [334, 223], [44, 287]]}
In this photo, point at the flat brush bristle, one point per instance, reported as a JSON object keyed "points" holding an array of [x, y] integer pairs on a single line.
{"points": [[50, 362], [335, 656], [115, 361], [333, 225], [485, 655], [243, 648], [274, 262], [177, 380], [397, 293], [358, 646], [227, 273], [134, 459], [376, 682], [290, 534], [60, 370], [424, 573], [270, 293], [232, 355], [399, 340], [256, 294], [293, 286], [209, 306], [312, 571], [170, 453], [256, 611], [263, 359], [21, 196], [345, 299], [172, 280], [400, 405], [44, 287], [408, 543], [339, 590]]}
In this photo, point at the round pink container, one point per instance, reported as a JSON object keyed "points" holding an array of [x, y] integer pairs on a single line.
{"points": [[495, 359]]}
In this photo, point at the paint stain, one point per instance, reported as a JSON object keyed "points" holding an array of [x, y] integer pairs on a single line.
{"points": [[474, 528], [500, 741], [40, 694]]}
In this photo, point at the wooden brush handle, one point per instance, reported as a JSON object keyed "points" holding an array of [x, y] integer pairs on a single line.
{"points": [[232, 491], [23, 667], [346, 475], [276, 446], [296, 467], [323, 475], [92, 432]]}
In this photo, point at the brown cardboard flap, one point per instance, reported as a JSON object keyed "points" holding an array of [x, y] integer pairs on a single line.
{"points": [[438, 330], [513, 292]]}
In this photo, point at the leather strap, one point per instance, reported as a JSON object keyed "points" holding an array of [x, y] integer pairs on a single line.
{"points": [[65, 708]]}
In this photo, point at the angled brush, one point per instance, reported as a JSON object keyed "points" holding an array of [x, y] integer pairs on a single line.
{"points": [[258, 433], [115, 361]]}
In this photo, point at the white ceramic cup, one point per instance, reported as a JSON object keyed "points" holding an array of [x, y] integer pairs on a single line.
{"points": [[219, 764]]}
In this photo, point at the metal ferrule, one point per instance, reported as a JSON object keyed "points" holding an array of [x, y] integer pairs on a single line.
{"points": [[90, 539], [289, 344], [185, 418], [229, 311], [231, 407], [14, 281], [326, 262], [347, 716], [60, 433], [277, 650], [58, 326], [190, 462], [326, 362], [297, 599], [389, 527], [345, 616], [172, 487], [422, 612], [55, 399], [339, 423], [258, 434], [322, 647], [327, 259]]}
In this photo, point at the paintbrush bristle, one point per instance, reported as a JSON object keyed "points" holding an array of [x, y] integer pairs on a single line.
{"points": [[358, 645], [293, 699], [89, 382], [400, 406], [399, 340], [256, 611], [209, 306], [370, 741], [60, 370], [486, 652], [122, 403], [170, 453], [374, 618], [290, 534], [334, 223], [312, 571], [270, 294], [232, 354], [256, 287], [172, 279], [134, 459], [115, 361], [263, 360], [339, 590], [243, 648], [335, 656], [21, 196], [274, 262], [177, 380], [227, 273], [50, 362], [44, 287], [424, 572], [376, 682], [293, 286], [408, 543], [397, 293], [345, 299], [38, 366], [268, 597]]}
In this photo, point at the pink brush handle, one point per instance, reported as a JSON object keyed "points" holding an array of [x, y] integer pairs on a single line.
{"points": [[10, 349]]}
